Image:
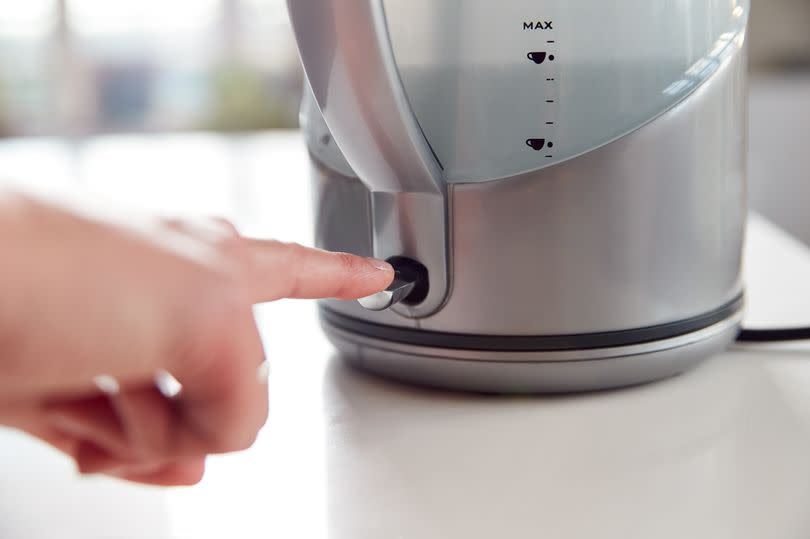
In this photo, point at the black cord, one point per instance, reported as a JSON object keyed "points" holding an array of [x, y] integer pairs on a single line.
{"points": [[774, 335]]}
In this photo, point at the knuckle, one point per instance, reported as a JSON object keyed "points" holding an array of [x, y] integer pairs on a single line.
{"points": [[234, 440], [244, 440], [242, 432], [295, 254], [226, 225], [233, 251]]}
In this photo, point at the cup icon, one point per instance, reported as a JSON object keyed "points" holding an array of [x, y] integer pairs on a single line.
{"points": [[536, 144], [537, 57]]}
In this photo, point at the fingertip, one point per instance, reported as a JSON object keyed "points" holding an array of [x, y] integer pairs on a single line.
{"points": [[294, 271], [363, 277], [381, 265]]}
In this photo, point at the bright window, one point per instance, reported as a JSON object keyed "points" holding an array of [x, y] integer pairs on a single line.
{"points": [[26, 18], [100, 17]]}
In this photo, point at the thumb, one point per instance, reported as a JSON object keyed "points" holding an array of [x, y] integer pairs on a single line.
{"points": [[288, 270]]}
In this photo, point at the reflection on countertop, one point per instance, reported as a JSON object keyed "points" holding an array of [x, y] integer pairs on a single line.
{"points": [[699, 455]]}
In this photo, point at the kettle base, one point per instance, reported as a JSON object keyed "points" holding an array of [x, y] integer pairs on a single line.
{"points": [[533, 372]]}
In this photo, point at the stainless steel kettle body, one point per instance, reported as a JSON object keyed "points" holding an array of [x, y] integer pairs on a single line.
{"points": [[616, 266]]}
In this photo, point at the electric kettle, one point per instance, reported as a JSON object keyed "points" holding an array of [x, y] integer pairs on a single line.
{"points": [[560, 184]]}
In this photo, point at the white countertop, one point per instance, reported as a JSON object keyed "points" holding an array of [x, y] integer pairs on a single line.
{"points": [[721, 452]]}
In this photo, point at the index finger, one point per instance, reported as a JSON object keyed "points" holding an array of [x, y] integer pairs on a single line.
{"points": [[288, 270]]}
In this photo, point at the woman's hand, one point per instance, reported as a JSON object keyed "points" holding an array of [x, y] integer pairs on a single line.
{"points": [[94, 308]]}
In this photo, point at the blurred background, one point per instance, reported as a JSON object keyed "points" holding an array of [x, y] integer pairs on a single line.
{"points": [[779, 36], [77, 67]]}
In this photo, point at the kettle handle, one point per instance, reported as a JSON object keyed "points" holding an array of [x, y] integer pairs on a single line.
{"points": [[349, 62]]}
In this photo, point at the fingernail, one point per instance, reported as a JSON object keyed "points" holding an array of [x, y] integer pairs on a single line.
{"points": [[107, 384], [169, 386], [380, 264], [263, 372]]}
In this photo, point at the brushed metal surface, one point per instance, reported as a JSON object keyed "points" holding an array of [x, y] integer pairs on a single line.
{"points": [[532, 372], [397, 291], [646, 230], [352, 75]]}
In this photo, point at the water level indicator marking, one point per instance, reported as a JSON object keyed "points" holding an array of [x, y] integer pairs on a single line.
{"points": [[538, 144], [538, 57]]}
